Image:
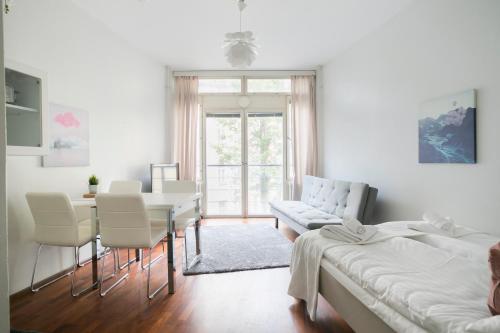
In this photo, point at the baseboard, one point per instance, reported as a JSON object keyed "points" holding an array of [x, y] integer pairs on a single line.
{"points": [[27, 290]]}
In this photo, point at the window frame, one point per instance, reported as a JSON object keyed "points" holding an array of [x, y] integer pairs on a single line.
{"points": [[282, 93], [223, 93], [287, 181], [244, 85]]}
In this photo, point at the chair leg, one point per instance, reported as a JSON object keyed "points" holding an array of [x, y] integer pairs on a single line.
{"points": [[103, 292], [154, 260], [114, 252], [197, 236], [88, 261], [150, 296], [117, 254], [115, 263], [197, 245], [33, 289], [80, 264], [120, 266], [75, 266], [185, 250], [276, 225]]}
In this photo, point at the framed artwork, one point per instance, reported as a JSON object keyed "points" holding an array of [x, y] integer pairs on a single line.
{"points": [[68, 137], [447, 129]]}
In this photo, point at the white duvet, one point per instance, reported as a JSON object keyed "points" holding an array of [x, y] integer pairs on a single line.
{"points": [[438, 286], [468, 243]]}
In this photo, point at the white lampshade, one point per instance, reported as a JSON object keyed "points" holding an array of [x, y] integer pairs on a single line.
{"points": [[240, 49]]}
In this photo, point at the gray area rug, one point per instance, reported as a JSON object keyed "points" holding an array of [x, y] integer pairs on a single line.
{"points": [[232, 248]]}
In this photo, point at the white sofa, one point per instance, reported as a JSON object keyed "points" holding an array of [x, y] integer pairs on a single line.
{"points": [[324, 202]]}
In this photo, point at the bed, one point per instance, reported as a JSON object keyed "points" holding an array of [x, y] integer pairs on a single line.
{"points": [[409, 282]]}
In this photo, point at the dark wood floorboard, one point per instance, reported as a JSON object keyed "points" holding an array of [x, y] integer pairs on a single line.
{"points": [[249, 301]]}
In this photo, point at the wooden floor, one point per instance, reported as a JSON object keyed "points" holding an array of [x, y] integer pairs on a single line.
{"points": [[250, 301]]}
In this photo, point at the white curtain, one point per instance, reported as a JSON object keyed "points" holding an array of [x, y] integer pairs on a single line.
{"points": [[304, 131], [186, 117]]}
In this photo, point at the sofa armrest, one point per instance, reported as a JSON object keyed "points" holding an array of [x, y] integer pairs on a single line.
{"points": [[356, 200], [370, 205]]}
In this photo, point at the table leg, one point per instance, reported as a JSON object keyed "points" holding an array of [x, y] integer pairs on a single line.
{"points": [[170, 252], [197, 236], [93, 217], [197, 227], [174, 237], [137, 255]]}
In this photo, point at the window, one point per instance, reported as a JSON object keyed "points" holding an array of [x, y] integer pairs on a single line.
{"points": [[269, 85], [219, 86]]}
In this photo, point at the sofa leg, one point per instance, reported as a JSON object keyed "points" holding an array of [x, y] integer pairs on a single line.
{"points": [[276, 223]]}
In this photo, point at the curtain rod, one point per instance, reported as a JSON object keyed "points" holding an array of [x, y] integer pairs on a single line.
{"points": [[235, 73]]}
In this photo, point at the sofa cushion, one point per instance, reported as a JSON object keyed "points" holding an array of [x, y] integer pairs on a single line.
{"points": [[335, 197], [304, 214]]}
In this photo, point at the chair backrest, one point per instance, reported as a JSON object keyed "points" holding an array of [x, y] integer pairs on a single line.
{"points": [[336, 196], [161, 172], [179, 186], [123, 220], [125, 186], [55, 218]]}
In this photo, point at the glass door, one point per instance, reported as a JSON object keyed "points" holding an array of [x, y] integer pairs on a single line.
{"points": [[264, 160], [243, 155], [223, 164]]}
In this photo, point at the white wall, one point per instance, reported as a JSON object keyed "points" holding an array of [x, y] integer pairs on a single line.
{"points": [[89, 68], [4, 273], [372, 95]]}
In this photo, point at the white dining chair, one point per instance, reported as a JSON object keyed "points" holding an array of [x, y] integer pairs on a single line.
{"points": [[125, 223], [188, 218], [125, 186], [57, 224]]}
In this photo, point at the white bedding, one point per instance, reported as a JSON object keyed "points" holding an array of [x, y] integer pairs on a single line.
{"points": [[430, 285], [307, 253], [469, 243], [392, 318]]}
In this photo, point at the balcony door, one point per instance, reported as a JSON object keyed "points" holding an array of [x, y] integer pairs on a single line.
{"points": [[244, 155]]}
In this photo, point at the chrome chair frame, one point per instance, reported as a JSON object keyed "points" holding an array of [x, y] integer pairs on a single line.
{"points": [[120, 266], [150, 296], [155, 259], [72, 272], [103, 278], [99, 256], [196, 225], [102, 292], [33, 289]]}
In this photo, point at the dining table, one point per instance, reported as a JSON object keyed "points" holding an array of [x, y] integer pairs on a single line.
{"points": [[170, 204]]}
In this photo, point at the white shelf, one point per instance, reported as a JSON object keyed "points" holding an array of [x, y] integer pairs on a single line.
{"points": [[19, 108], [26, 121]]}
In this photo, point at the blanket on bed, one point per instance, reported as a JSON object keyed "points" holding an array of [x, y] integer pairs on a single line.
{"points": [[440, 291], [306, 258]]}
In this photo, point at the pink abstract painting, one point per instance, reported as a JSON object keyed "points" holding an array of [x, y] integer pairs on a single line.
{"points": [[68, 137]]}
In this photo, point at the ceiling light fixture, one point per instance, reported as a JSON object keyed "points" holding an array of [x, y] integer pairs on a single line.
{"points": [[240, 49]]}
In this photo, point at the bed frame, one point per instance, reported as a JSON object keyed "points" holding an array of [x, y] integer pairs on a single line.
{"points": [[356, 314]]}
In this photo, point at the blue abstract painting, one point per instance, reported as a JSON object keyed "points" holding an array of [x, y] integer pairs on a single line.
{"points": [[447, 129]]}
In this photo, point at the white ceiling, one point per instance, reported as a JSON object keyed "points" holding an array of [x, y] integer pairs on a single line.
{"points": [[292, 34]]}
